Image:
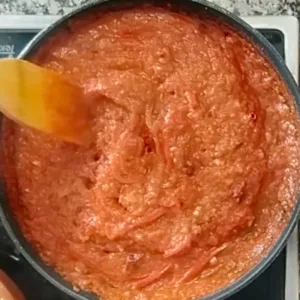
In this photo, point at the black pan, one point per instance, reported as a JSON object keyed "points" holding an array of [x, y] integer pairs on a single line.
{"points": [[268, 51]]}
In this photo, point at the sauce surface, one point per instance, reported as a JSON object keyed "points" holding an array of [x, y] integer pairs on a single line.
{"points": [[193, 173]]}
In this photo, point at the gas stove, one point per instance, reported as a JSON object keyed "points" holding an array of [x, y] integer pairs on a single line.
{"points": [[279, 282]]}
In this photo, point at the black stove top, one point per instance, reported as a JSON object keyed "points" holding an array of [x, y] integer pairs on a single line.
{"points": [[269, 286]]}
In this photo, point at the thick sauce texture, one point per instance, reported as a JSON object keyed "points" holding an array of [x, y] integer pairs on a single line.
{"points": [[194, 169]]}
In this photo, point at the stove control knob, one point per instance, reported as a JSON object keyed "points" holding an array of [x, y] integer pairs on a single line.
{"points": [[8, 289]]}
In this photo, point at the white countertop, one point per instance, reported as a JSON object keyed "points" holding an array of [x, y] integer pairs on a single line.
{"points": [[240, 7]]}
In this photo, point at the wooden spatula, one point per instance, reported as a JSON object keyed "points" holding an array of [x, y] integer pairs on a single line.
{"points": [[8, 289], [42, 99]]}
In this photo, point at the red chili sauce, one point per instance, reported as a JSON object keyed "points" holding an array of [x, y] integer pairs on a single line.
{"points": [[194, 170]]}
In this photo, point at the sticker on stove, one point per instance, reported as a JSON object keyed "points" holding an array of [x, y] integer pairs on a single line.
{"points": [[7, 50]]}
